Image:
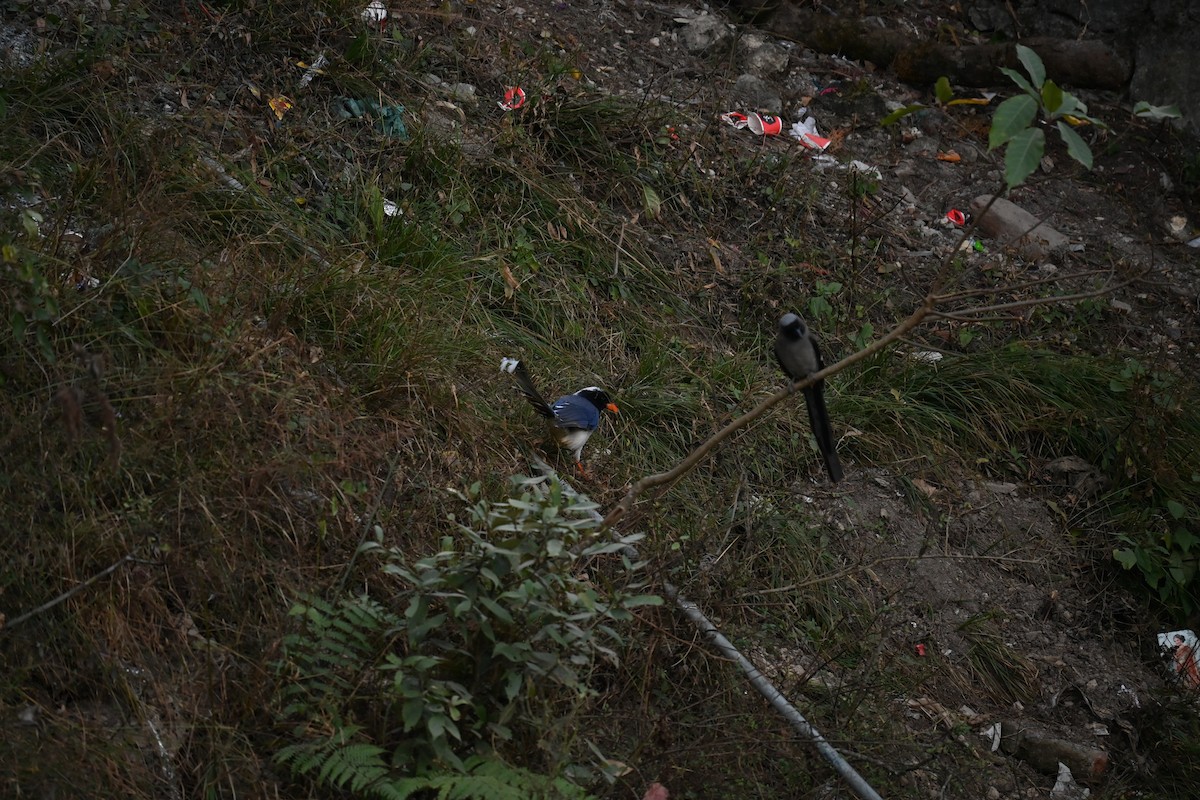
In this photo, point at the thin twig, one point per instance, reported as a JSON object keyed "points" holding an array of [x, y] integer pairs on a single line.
{"points": [[964, 318], [67, 595], [846, 571], [1036, 301], [1017, 287]]}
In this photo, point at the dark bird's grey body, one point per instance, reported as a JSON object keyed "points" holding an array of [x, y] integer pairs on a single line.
{"points": [[798, 353]]}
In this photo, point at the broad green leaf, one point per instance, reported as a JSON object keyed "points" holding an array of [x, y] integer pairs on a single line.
{"points": [[891, 118], [1033, 64], [1020, 81], [1176, 509], [1184, 540], [412, 712], [1022, 156], [651, 202], [1069, 105], [1052, 96], [1077, 148], [498, 611], [643, 600], [18, 323], [942, 90], [1012, 116], [1125, 557], [1144, 109]]}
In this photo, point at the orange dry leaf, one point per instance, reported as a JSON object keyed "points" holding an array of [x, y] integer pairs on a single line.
{"points": [[836, 138], [513, 283], [950, 156]]}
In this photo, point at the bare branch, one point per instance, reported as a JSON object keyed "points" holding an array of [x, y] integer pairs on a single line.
{"points": [[693, 458], [1017, 287], [67, 595], [1038, 301]]}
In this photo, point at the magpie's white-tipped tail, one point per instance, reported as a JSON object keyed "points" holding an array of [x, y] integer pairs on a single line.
{"points": [[515, 368]]}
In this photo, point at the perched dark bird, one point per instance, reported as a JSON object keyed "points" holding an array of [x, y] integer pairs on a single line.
{"points": [[572, 419], [797, 351]]}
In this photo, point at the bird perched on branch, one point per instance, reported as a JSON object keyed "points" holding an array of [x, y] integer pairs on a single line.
{"points": [[797, 351], [572, 419]]}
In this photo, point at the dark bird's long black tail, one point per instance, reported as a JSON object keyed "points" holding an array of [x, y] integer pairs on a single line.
{"points": [[525, 384], [818, 419]]}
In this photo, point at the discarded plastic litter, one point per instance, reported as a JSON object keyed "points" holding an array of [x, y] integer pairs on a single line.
{"points": [[865, 169], [81, 280], [1181, 648], [280, 105], [375, 14], [920, 649], [1194, 242], [1066, 787], [956, 216], [764, 124], [311, 70], [391, 209], [514, 98], [389, 120], [805, 130], [736, 119], [759, 124]]}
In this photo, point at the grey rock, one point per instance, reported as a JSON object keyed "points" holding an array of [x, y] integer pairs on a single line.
{"points": [[463, 92], [755, 94], [761, 56], [1034, 239], [705, 34]]}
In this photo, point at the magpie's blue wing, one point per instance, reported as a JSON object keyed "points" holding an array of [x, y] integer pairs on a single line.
{"points": [[573, 411]]}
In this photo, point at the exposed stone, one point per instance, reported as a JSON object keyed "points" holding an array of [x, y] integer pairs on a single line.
{"points": [[706, 33], [762, 56], [1013, 225], [753, 93]]}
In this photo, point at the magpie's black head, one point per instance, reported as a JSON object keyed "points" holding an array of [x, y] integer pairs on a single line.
{"points": [[792, 326], [597, 397]]}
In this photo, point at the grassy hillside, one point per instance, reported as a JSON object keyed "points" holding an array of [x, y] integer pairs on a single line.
{"points": [[226, 365]]}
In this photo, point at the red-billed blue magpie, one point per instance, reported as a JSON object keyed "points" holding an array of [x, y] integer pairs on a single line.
{"points": [[797, 351], [572, 419]]}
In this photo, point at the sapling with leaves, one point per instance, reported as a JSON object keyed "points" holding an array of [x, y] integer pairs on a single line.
{"points": [[1013, 124]]}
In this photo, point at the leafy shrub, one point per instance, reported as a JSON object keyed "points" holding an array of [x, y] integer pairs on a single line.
{"points": [[491, 624], [1013, 127]]}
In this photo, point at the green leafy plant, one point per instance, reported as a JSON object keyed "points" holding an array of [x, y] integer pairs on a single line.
{"points": [[491, 624], [944, 95], [1012, 125], [1143, 109], [1168, 562], [820, 309]]}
